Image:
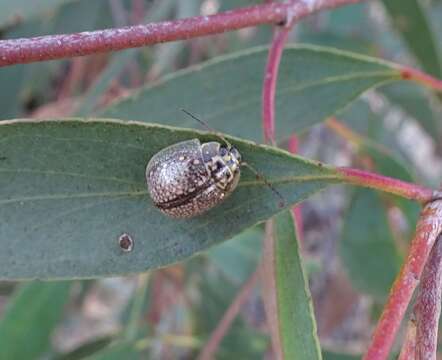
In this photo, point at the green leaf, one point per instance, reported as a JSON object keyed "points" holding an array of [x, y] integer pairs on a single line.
{"points": [[241, 341], [295, 308], [32, 81], [386, 161], [10, 79], [137, 308], [70, 188], [346, 27], [387, 164], [238, 257], [11, 10], [367, 247], [30, 317], [314, 83], [410, 20], [295, 316], [117, 64]]}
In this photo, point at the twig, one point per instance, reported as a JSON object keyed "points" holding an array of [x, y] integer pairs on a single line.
{"points": [[408, 73], [408, 351], [42, 48], [223, 326], [270, 78], [429, 227], [394, 186], [344, 131], [428, 305]]}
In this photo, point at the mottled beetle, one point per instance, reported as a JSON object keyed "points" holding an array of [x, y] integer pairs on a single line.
{"points": [[188, 178]]}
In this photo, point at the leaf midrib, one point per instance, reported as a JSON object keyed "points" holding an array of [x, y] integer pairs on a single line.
{"points": [[124, 194]]}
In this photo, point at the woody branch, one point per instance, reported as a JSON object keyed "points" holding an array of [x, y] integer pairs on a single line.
{"points": [[42, 48]]}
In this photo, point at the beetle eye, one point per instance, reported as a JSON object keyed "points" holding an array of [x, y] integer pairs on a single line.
{"points": [[235, 153], [223, 151]]}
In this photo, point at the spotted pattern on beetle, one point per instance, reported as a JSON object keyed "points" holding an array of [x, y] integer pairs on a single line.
{"points": [[188, 178]]}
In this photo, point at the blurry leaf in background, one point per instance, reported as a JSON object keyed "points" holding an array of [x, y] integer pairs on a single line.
{"points": [[435, 14], [416, 102], [117, 64], [34, 82], [410, 19], [29, 319], [238, 257], [10, 104], [314, 83], [384, 161], [386, 164], [385, 154], [137, 308], [287, 297], [226, 5], [70, 188], [166, 55], [367, 248], [242, 341], [345, 28], [12, 11], [371, 124]]}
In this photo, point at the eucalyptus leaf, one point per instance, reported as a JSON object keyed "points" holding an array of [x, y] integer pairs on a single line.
{"points": [[241, 341], [367, 248], [296, 319], [239, 257], [70, 188], [411, 20], [29, 319], [314, 83]]}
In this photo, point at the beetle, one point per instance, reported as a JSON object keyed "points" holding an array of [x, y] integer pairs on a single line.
{"points": [[188, 178]]}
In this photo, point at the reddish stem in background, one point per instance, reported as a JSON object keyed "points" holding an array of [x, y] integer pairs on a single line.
{"points": [[229, 316], [268, 122], [270, 78], [398, 187], [429, 227], [137, 12], [408, 351], [428, 305], [42, 48]]}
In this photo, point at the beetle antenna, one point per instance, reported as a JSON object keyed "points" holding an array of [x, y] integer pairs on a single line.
{"points": [[250, 167], [265, 181], [229, 145]]}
